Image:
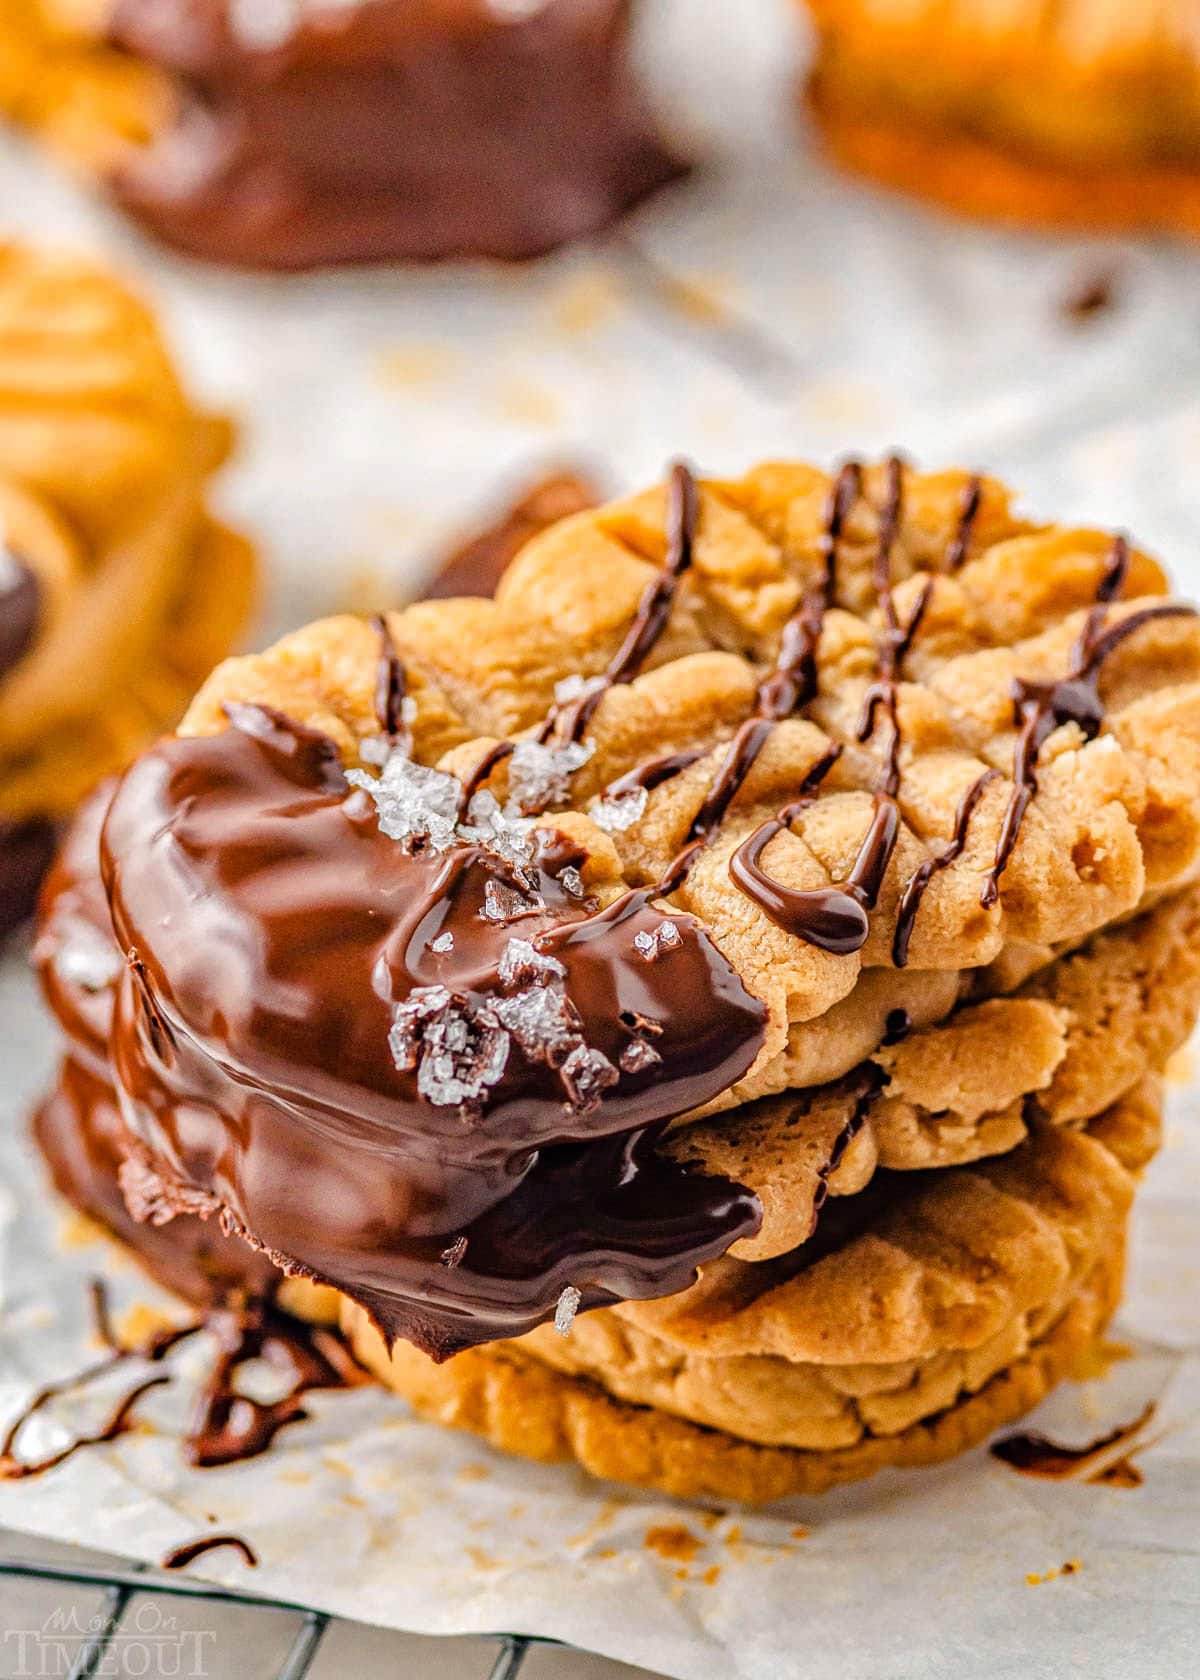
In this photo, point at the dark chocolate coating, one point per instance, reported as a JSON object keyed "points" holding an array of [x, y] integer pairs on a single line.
{"points": [[79, 1128], [415, 129], [279, 930], [26, 851]]}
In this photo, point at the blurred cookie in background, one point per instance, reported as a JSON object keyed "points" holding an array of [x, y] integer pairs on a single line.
{"points": [[118, 589], [1084, 114], [293, 134]]}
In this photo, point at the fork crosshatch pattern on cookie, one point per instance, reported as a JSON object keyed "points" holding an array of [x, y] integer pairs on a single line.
{"points": [[727, 779]]}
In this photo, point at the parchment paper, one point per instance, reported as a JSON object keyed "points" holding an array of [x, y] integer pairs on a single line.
{"points": [[768, 307]]}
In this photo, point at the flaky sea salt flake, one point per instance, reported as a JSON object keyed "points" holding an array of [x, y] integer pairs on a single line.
{"points": [[637, 1056], [412, 800], [616, 815], [569, 1303], [587, 1074], [502, 903], [522, 964], [443, 943], [539, 774], [652, 944]]}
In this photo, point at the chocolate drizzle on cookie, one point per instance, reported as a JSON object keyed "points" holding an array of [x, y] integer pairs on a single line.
{"points": [[1041, 708], [391, 690], [569, 721], [917, 883], [960, 547], [835, 919]]}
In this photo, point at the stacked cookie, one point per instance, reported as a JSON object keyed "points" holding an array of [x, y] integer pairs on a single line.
{"points": [[1084, 114], [118, 590], [700, 1011]]}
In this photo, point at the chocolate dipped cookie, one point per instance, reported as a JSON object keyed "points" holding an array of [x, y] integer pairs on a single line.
{"points": [[297, 134], [776, 902]]}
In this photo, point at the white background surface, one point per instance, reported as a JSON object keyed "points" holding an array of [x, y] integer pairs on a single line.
{"points": [[383, 413]]}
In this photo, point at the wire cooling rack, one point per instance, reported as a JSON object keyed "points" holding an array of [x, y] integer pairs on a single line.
{"points": [[502, 1657]]}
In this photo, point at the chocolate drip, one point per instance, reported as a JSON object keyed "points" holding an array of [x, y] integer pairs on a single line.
{"points": [[568, 722], [869, 1082], [957, 553], [230, 1425], [1035, 1455], [282, 937], [120, 1422], [391, 688], [1041, 708], [829, 917], [20, 610], [918, 881], [180, 1556], [835, 919], [897, 1026]]}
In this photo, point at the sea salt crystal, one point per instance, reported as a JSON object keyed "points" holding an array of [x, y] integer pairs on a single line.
{"points": [[502, 903], [88, 960], [458, 1052], [569, 1303], [412, 800], [522, 964], [637, 1056], [665, 937], [614, 815], [539, 775], [453, 1256], [503, 832], [543, 1023], [571, 881], [444, 942], [569, 689], [587, 1074]]}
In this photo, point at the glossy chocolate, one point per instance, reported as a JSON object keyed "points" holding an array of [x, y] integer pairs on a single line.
{"points": [[388, 129], [79, 1128], [279, 933]]}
